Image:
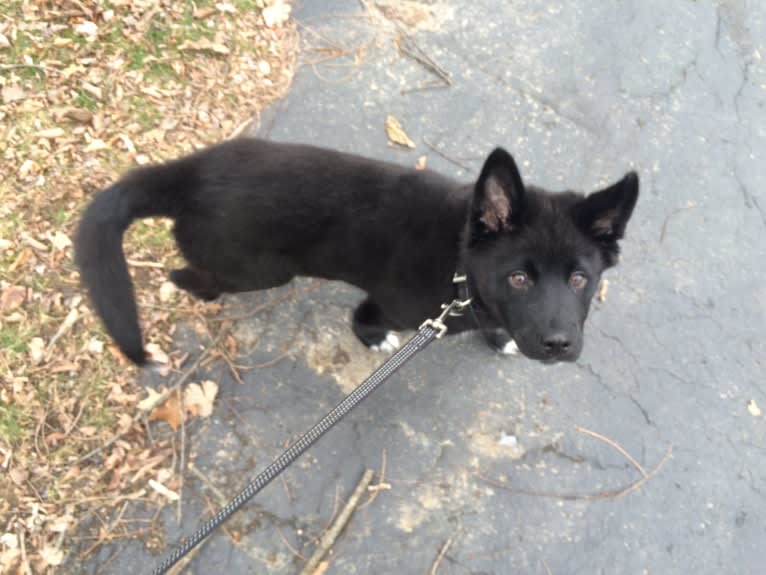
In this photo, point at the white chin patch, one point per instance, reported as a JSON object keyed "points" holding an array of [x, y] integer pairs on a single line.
{"points": [[391, 343], [510, 348]]}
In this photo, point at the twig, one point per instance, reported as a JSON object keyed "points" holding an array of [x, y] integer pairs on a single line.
{"points": [[416, 53], [328, 539], [547, 569], [380, 485], [438, 152], [440, 556], [611, 494], [182, 459], [219, 496], [292, 549], [142, 264], [160, 398], [32, 66], [608, 441], [23, 547]]}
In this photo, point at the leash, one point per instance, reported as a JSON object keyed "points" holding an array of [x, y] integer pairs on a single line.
{"points": [[430, 330]]}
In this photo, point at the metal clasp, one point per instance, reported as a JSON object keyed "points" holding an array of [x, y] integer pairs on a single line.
{"points": [[453, 309]]}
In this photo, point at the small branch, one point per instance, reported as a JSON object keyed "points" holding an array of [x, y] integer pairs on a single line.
{"points": [[142, 264], [440, 556], [608, 441], [438, 152], [219, 496], [611, 494], [330, 536], [182, 459]]}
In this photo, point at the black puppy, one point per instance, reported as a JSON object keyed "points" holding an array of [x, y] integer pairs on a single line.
{"points": [[251, 214]]}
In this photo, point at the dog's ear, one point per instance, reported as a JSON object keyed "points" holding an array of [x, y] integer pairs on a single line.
{"points": [[499, 198], [603, 215]]}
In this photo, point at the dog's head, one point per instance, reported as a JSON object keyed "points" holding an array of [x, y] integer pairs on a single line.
{"points": [[535, 258]]}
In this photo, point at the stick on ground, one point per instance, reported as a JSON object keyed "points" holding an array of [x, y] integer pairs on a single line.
{"points": [[330, 536]]}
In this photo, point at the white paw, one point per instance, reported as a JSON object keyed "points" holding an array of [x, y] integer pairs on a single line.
{"points": [[510, 348], [391, 343]]}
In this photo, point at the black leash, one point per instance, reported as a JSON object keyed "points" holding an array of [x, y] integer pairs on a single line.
{"points": [[430, 330]]}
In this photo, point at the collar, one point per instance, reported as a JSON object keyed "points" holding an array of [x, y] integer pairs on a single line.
{"points": [[460, 280]]}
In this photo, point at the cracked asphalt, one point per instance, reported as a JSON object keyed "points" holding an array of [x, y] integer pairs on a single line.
{"points": [[489, 452]]}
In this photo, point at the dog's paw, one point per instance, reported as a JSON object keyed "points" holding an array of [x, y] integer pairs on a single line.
{"points": [[389, 344], [510, 348]]}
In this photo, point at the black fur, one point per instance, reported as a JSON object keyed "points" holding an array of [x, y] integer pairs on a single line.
{"points": [[251, 214]]}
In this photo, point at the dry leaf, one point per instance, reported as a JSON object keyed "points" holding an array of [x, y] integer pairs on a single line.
{"points": [[162, 490], [396, 133], [12, 297], [95, 145], [167, 291], [60, 241], [52, 555], [157, 354], [148, 402], [12, 93], [203, 12], [169, 412], [753, 408], [95, 345], [198, 398], [276, 14], [88, 29], [4, 42], [79, 115], [36, 350], [51, 133], [204, 45], [421, 165], [603, 287]]}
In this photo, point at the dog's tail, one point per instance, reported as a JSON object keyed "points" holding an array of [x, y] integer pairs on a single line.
{"points": [[145, 192]]}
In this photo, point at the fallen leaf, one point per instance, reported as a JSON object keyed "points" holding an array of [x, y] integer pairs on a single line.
{"points": [[225, 7], [203, 12], [148, 402], [204, 45], [36, 350], [12, 297], [169, 412], [276, 14], [396, 133], [603, 287], [753, 408], [95, 345], [199, 397], [79, 115], [88, 29], [4, 42], [167, 291], [95, 145], [157, 354], [421, 165], [51, 133], [162, 490], [55, 437], [60, 241], [52, 555], [12, 93]]}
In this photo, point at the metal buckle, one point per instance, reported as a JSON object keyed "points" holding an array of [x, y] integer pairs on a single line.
{"points": [[453, 309]]}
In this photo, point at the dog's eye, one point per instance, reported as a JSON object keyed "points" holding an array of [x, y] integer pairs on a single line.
{"points": [[519, 280], [578, 280]]}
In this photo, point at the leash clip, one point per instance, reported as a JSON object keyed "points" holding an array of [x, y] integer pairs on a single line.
{"points": [[453, 309]]}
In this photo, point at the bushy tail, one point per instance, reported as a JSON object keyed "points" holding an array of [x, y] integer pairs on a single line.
{"points": [[100, 257]]}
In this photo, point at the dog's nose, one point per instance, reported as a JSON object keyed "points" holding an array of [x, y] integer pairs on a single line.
{"points": [[556, 344]]}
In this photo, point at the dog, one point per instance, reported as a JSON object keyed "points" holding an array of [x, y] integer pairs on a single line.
{"points": [[251, 214]]}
